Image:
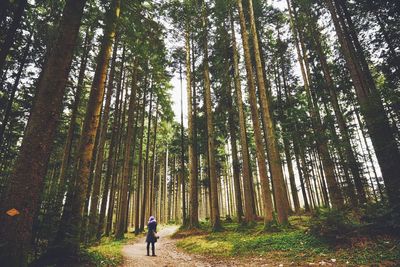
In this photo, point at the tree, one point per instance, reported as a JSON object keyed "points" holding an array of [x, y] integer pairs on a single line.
{"points": [[193, 193], [215, 218], [280, 194], [260, 150], [127, 158], [69, 232], [377, 123], [24, 191], [249, 211]]}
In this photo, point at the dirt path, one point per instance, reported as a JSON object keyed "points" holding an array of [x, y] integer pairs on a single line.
{"points": [[167, 254]]}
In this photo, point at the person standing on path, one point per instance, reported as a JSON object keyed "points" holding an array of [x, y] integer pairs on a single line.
{"points": [[151, 237]]}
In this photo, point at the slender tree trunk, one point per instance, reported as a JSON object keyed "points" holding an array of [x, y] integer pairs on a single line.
{"points": [[319, 133], [280, 195], [100, 149], [10, 35], [249, 211], [193, 180], [297, 146], [260, 148], [85, 219], [349, 154], [372, 108], [235, 159], [114, 203], [301, 177], [286, 142], [194, 119], [70, 231], [8, 109], [215, 218], [146, 166], [182, 170], [140, 167], [111, 159], [127, 159], [152, 170], [26, 181], [65, 163]]}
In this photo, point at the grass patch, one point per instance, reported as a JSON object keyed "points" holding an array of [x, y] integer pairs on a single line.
{"points": [[291, 244], [109, 251]]}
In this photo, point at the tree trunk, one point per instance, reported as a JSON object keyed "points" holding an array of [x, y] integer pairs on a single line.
{"points": [[111, 157], [372, 108], [152, 170], [193, 180], [10, 36], [286, 143], [93, 216], [70, 231], [249, 211], [182, 170], [349, 154], [8, 109], [146, 166], [280, 195], [26, 181], [215, 219], [65, 163], [319, 133], [119, 234], [260, 148], [140, 167]]}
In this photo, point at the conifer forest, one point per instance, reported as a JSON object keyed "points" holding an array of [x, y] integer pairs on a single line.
{"points": [[256, 132]]}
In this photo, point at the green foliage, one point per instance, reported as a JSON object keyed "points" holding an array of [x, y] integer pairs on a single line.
{"points": [[292, 244], [332, 224], [380, 217], [108, 252]]}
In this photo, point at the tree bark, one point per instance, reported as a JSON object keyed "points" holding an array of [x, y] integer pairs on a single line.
{"points": [[93, 215], [140, 167], [69, 232], [377, 123], [215, 218], [26, 181], [119, 234], [260, 148], [280, 195], [249, 211], [193, 180], [111, 157], [146, 166]]}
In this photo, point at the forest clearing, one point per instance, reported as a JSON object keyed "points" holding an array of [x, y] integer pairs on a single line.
{"points": [[227, 133]]}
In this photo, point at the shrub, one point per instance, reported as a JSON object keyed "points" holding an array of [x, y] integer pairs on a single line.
{"points": [[332, 225], [380, 217]]}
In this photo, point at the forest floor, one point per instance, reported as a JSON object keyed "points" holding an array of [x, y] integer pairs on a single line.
{"points": [[236, 245], [168, 254]]}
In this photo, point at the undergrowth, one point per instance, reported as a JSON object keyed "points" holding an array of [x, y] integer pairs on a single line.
{"points": [[108, 252], [294, 243]]}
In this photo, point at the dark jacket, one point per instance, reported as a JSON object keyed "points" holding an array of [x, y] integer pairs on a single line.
{"points": [[152, 230]]}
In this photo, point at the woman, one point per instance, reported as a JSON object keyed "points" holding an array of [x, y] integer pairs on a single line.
{"points": [[151, 237]]}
